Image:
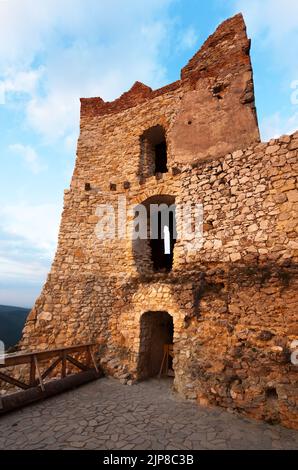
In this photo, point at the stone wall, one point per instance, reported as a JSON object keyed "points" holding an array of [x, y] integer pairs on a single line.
{"points": [[233, 302], [233, 299]]}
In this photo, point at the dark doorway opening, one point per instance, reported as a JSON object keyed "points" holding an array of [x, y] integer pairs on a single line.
{"points": [[156, 331]]}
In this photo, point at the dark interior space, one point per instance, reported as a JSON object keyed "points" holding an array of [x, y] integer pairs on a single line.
{"points": [[149, 251], [156, 331], [271, 393], [153, 158], [161, 158], [162, 261]]}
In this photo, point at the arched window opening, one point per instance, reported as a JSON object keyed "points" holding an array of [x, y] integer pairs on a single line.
{"points": [[153, 246], [163, 240], [153, 152]]}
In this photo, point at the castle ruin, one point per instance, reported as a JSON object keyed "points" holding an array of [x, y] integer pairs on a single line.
{"points": [[227, 307]]}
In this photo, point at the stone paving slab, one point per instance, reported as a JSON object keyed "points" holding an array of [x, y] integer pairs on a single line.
{"points": [[108, 415]]}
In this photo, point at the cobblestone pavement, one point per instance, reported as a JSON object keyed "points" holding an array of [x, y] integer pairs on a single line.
{"points": [[107, 415]]}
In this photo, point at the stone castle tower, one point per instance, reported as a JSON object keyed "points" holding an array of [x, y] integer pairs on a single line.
{"points": [[228, 307]]}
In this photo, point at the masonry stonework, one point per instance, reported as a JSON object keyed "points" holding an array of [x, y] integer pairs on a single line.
{"points": [[233, 301]]}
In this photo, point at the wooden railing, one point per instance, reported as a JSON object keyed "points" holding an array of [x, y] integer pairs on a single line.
{"points": [[34, 359], [56, 362]]}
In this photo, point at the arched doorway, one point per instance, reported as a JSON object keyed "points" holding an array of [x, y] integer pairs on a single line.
{"points": [[156, 331]]}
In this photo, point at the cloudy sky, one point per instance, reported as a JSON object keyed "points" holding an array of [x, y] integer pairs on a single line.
{"points": [[52, 52]]}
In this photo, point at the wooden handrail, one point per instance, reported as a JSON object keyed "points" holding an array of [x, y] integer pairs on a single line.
{"points": [[34, 359], [24, 357], [35, 387]]}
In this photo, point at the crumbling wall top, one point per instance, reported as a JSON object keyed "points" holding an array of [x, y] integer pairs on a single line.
{"points": [[225, 50], [228, 47]]}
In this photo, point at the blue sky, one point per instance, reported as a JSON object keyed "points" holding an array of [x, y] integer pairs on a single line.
{"points": [[52, 52]]}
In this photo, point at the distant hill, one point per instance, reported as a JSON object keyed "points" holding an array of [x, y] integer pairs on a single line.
{"points": [[12, 320]]}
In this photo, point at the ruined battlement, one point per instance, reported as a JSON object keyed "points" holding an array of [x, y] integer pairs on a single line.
{"points": [[225, 52]]}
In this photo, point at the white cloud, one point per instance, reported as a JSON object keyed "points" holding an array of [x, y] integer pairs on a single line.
{"points": [[274, 126], [189, 39], [14, 270], [20, 82], [83, 49], [19, 294], [36, 224], [14, 82], [278, 18], [28, 236], [29, 156], [275, 25], [23, 270], [102, 70]]}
